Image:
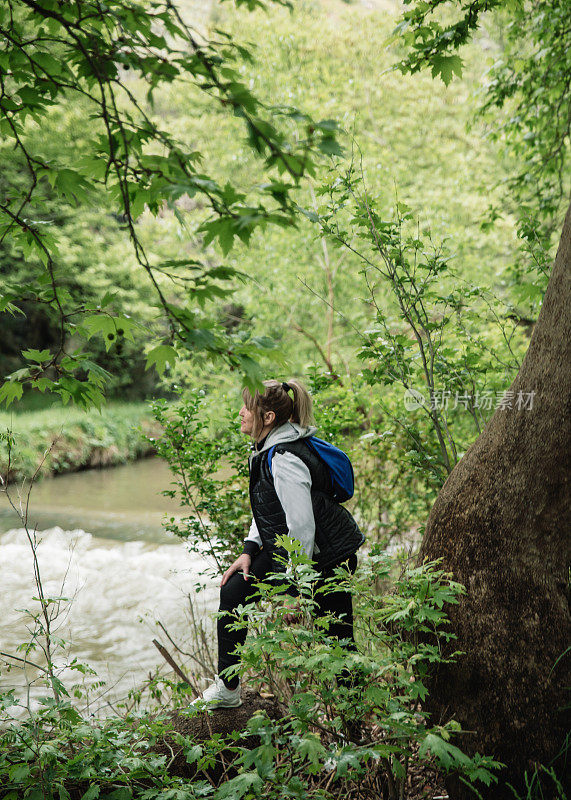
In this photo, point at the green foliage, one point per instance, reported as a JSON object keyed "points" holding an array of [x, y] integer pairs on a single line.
{"points": [[526, 104], [328, 687], [160, 356], [53, 56], [395, 119], [58, 750], [210, 470], [315, 750], [430, 34], [65, 440], [428, 338], [95, 267], [526, 108]]}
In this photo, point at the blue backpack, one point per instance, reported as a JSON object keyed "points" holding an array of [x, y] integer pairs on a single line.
{"points": [[337, 462]]}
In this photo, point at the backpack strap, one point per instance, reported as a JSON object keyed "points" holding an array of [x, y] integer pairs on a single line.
{"points": [[271, 452], [273, 448]]}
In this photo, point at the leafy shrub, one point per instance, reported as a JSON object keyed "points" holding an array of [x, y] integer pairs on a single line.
{"points": [[316, 750], [210, 477], [352, 713]]}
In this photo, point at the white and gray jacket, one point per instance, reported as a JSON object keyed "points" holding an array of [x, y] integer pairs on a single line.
{"points": [[292, 482]]}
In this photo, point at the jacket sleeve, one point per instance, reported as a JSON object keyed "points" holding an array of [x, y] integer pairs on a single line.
{"points": [[292, 482], [253, 541]]}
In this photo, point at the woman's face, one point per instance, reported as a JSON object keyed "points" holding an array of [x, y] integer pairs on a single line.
{"points": [[246, 420]]}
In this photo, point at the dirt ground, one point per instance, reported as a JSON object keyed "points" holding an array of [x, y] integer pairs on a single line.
{"points": [[423, 783]]}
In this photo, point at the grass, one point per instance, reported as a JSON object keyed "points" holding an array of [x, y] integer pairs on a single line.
{"points": [[72, 439]]}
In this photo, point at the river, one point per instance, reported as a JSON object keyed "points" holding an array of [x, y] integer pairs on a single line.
{"points": [[103, 547]]}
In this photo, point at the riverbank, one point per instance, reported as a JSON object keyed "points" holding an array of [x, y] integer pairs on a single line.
{"points": [[70, 439]]}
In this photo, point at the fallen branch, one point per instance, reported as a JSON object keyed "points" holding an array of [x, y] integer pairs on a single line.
{"points": [[171, 662]]}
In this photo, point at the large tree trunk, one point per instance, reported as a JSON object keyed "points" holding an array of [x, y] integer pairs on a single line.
{"points": [[501, 524]]}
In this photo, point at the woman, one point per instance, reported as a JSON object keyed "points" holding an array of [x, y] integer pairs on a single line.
{"points": [[291, 496]]}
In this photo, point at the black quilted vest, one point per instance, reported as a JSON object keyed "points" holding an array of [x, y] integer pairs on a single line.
{"points": [[337, 535]]}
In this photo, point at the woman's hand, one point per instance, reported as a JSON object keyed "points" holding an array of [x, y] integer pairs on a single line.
{"points": [[242, 563]]}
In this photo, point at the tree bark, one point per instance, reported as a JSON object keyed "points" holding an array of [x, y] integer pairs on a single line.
{"points": [[501, 526]]}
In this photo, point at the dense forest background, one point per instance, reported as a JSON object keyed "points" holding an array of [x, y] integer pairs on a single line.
{"points": [[415, 139]]}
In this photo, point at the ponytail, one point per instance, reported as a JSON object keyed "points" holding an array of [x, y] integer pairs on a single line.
{"points": [[302, 404]]}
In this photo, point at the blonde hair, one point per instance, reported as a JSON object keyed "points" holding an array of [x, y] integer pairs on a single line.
{"points": [[277, 397]]}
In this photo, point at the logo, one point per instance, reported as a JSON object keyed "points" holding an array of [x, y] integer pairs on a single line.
{"points": [[413, 399]]}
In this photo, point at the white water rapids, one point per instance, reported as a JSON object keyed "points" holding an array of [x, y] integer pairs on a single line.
{"points": [[118, 590]]}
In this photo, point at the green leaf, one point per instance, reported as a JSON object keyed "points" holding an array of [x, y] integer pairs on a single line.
{"points": [[73, 186], [38, 356], [330, 146], [446, 67], [10, 391], [252, 372], [96, 372], [348, 758], [107, 298], [42, 384], [160, 356], [109, 327], [18, 772], [311, 748], [226, 236], [237, 787], [7, 305], [58, 685], [193, 753], [447, 754]]}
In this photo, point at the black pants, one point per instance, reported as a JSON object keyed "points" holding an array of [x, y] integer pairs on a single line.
{"points": [[237, 591]]}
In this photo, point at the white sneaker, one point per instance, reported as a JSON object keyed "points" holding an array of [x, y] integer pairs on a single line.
{"points": [[217, 695]]}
